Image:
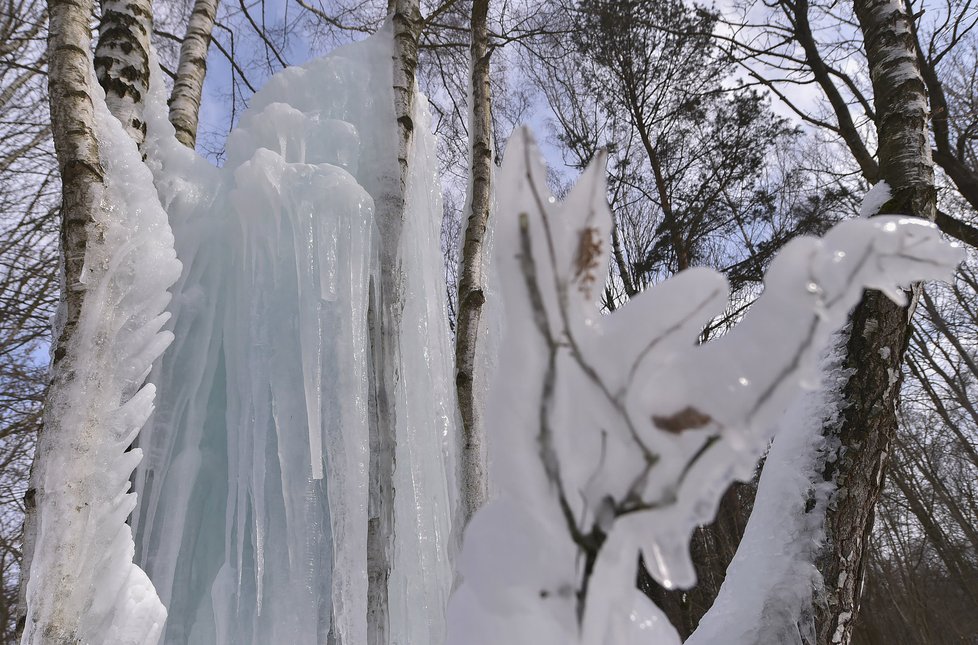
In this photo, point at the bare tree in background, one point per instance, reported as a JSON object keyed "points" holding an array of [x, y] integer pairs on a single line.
{"points": [[28, 281], [922, 576], [688, 154]]}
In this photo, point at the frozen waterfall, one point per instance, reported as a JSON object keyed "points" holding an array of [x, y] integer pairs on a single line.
{"points": [[253, 492]]}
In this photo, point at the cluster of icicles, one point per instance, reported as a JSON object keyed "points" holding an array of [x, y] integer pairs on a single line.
{"points": [[257, 492]]}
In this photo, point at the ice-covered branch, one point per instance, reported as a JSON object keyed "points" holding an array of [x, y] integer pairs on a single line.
{"points": [[614, 436]]}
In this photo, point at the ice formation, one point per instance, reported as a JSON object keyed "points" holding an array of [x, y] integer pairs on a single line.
{"points": [[616, 435], [766, 596], [253, 512], [609, 436], [83, 585]]}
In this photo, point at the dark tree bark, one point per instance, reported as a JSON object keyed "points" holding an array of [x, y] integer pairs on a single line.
{"points": [[879, 333]]}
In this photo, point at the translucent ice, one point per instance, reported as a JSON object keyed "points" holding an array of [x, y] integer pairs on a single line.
{"points": [[253, 523]]}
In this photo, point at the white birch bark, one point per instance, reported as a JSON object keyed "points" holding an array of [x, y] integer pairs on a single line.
{"points": [[73, 130], [79, 584], [471, 285], [384, 319], [189, 84]]}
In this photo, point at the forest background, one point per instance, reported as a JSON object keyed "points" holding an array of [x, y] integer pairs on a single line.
{"points": [[730, 130]]}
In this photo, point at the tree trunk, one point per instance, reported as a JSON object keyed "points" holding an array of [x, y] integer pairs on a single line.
{"points": [[73, 130], [471, 284], [963, 177], [879, 334], [384, 317], [122, 61], [189, 84]]}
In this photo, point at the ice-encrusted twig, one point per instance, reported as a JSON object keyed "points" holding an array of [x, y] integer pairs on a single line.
{"points": [[601, 456]]}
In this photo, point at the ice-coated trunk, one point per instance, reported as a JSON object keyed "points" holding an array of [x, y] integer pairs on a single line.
{"points": [[122, 61], [80, 584], [384, 318], [189, 84], [73, 130], [876, 343], [473, 481], [253, 517]]}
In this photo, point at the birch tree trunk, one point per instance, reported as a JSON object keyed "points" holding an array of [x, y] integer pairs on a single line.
{"points": [[73, 130], [384, 319], [122, 61], [471, 284], [189, 84], [879, 334]]}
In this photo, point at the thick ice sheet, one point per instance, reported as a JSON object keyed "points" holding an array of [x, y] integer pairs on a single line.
{"points": [[253, 523]]}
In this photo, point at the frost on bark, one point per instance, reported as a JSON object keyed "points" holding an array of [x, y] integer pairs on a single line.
{"points": [[384, 318], [73, 130], [471, 286], [189, 84], [879, 328]]}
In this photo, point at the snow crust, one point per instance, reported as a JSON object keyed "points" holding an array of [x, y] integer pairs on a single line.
{"points": [[874, 199], [83, 584], [616, 435], [253, 524]]}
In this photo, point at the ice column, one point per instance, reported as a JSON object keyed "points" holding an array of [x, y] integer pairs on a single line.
{"points": [[253, 522]]}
